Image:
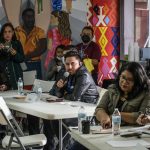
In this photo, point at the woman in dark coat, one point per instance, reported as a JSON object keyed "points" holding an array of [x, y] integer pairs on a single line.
{"points": [[11, 54]]}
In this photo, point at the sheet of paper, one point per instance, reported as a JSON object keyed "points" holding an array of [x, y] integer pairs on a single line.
{"points": [[140, 147], [128, 143], [9, 94], [46, 96], [139, 128], [100, 130]]}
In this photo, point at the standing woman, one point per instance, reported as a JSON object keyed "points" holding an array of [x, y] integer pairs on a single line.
{"points": [[11, 54]]}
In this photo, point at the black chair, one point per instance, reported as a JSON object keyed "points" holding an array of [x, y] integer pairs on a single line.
{"points": [[107, 82]]}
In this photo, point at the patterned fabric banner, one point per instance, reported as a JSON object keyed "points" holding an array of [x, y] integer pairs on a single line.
{"points": [[104, 17]]}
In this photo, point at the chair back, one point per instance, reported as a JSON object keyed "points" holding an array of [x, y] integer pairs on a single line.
{"points": [[29, 77], [4, 112], [46, 85]]}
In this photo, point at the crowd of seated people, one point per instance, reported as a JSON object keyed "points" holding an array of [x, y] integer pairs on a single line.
{"points": [[130, 91]]}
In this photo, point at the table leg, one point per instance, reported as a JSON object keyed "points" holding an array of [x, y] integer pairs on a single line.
{"points": [[60, 135]]}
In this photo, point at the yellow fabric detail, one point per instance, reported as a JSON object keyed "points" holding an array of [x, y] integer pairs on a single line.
{"points": [[29, 42], [88, 64]]}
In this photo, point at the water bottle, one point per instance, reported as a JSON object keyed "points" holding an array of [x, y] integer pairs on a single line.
{"points": [[81, 116], [39, 90], [116, 122], [20, 86]]}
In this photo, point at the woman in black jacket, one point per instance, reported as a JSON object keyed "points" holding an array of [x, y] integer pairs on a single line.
{"points": [[11, 54]]}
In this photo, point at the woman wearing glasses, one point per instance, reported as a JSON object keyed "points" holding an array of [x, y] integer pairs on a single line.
{"points": [[130, 95]]}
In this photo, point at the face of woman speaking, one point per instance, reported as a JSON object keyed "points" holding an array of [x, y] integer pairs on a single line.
{"points": [[126, 81], [8, 33]]}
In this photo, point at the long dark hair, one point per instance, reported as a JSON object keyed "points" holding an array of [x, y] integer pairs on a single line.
{"points": [[141, 80], [64, 24], [3, 29]]}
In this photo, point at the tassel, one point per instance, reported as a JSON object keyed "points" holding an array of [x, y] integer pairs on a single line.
{"points": [[40, 6]]}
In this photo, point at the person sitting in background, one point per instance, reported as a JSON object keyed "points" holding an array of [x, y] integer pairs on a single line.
{"points": [[78, 86], [89, 49], [130, 95], [56, 63], [11, 54]]}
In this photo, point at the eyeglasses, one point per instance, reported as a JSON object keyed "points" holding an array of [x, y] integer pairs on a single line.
{"points": [[124, 78]]}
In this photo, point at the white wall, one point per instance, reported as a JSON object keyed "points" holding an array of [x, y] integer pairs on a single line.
{"points": [[128, 24]]}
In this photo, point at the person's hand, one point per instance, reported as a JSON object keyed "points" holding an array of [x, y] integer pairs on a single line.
{"points": [[60, 83], [142, 119], [13, 52], [94, 62], [1, 46], [105, 121], [3, 87]]}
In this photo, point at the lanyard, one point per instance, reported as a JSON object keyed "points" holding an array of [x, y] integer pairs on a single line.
{"points": [[82, 51]]}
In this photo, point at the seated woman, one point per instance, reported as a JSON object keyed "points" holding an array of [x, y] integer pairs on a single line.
{"points": [[130, 95]]}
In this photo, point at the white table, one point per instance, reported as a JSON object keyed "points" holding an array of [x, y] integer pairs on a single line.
{"points": [[49, 111], [99, 141]]}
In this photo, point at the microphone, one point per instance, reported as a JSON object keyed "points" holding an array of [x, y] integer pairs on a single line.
{"points": [[65, 76]]}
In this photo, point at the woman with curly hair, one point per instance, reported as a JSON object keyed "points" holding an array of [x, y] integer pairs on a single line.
{"points": [[59, 33]]}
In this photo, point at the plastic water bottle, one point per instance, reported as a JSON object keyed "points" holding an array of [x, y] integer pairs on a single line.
{"points": [[116, 122], [20, 86], [39, 90], [81, 116]]}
